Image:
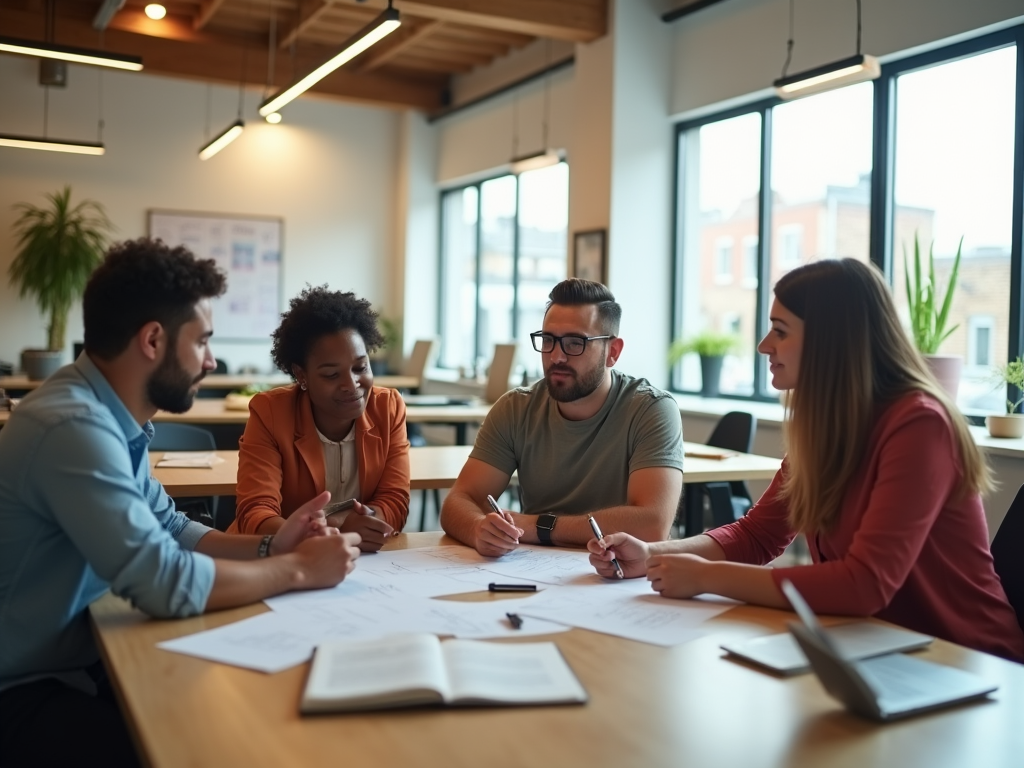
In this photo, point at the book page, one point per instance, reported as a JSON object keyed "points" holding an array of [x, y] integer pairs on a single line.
{"points": [[520, 673], [402, 669]]}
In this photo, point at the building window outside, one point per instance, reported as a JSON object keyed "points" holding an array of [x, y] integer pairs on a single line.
{"points": [[980, 335], [723, 260], [503, 247], [949, 178]]}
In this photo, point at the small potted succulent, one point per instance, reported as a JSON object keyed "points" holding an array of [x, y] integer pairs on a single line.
{"points": [[712, 348], [1012, 423]]}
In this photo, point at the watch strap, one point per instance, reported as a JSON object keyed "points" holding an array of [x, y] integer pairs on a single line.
{"points": [[545, 525], [264, 548]]}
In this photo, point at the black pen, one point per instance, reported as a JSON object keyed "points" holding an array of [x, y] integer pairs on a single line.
{"points": [[597, 532], [492, 587], [515, 620]]}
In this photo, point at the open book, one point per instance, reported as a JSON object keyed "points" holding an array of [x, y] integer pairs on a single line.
{"points": [[416, 669]]}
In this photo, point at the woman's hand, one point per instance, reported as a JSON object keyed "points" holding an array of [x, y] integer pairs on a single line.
{"points": [[677, 576], [361, 519], [305, 522], [631, 552]]}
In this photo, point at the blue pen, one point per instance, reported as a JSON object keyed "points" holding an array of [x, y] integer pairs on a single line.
{"points": [[597, 532]]}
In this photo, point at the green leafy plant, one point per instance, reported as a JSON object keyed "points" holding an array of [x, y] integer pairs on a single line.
{"points": [[253, 389], [705, 344], [1012, 373], [928, 314], [58, 248], [390, 330]]}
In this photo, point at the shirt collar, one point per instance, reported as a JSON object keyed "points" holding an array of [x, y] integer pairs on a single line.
{"points": [[108, 397]]}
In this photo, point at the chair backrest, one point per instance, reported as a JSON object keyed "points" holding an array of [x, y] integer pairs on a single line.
{"points": [[222, 367], [1008, 554], [735, 432], [181, 437], [419, 358], [500, 370]]}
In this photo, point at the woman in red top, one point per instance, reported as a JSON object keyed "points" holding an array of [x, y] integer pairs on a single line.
{"points": [[881, 476]]}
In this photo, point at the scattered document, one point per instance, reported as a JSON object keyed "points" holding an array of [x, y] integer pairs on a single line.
{"points": [[190, 459], [627, 609], [560, 567], [709, 453], [411, 670]]}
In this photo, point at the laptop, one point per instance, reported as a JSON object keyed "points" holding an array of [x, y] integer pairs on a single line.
{"points": [[883, 688], [854, 640]]}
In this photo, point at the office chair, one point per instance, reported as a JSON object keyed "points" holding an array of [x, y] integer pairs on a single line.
{"points": [[500, 371], [1007, 548], [182, 437], [222, 367], [729, 501], [418, 360]]}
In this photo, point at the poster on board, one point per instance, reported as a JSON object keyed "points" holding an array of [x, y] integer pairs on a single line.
{"points": [[248, 249]]}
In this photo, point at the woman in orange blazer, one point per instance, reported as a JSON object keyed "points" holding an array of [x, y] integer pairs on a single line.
{"points": [[331, 430]]}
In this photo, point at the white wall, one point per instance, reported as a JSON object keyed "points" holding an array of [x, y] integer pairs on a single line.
{"points": [[330, 170], [735, 49]]}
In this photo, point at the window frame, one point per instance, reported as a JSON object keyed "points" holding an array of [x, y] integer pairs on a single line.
{"points": [[881, 205]]}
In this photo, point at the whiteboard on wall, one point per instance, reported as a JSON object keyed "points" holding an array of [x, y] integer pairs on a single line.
{"points": [[248, 250]]}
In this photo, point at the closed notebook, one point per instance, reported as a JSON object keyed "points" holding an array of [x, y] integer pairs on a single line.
{"points": [[855, 640], [418, 669]]}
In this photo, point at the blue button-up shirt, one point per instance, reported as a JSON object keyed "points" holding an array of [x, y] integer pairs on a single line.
{"points": [[80, 514]]}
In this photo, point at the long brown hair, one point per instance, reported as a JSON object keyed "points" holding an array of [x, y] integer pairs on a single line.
{"points": [[855, 358]]}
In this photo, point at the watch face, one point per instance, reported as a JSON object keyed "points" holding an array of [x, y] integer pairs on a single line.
{"points": [[547, 522]]}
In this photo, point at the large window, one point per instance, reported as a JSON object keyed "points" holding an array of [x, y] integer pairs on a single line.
{"points": [[929, 149], [503, 247]]}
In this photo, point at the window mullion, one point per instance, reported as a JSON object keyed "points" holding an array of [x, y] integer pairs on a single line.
{"points": [[764, 228]]}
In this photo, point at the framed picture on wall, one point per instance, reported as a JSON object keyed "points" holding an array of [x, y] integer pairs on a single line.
{"points": [[248, 250], [589, 255]]}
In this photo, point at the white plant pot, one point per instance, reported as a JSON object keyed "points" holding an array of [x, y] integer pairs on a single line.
{"points": [[1009, 425], [946, 370]]}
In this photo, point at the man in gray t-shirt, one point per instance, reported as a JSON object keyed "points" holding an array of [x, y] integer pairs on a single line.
{"points": [[585, 440]]}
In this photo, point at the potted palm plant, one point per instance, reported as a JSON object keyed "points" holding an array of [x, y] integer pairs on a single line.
{"points": [[929, 313], [380, 359], [58, 248], [712, 348], [1011, 424]]}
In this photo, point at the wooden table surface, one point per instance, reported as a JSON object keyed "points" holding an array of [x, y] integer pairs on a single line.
{"points": [[681, 707], [229, 381], [437, 466]]}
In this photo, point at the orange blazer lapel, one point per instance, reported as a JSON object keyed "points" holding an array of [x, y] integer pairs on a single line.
{"points": [[369, 448], [307, 442]]}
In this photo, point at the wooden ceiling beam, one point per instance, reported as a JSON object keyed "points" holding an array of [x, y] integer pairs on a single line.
{"points": [[409, 34], [211, 57], [574, 20], [309, 12], [206, 11]]}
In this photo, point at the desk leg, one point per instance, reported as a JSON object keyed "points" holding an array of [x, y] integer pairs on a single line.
{"points": [[460, 433]]}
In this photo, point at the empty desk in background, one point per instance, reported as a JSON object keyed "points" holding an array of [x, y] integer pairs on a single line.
{"points": [[649, 706], [438, 466]]}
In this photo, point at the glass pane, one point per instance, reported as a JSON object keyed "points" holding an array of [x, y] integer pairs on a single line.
{"points": [[543, 235], [720, 171], [459, 212], [821, 178], [497, 233], [954, 178]]}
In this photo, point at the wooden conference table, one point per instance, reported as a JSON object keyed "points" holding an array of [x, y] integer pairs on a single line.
{"points": [[227, 382], [439, 466], [649, 706]]}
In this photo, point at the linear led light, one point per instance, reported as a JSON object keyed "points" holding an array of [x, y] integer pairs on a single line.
{"points": [[535, 161], [856, 69], [67, 53], [373, 32], [52, 145], [216, 145]]}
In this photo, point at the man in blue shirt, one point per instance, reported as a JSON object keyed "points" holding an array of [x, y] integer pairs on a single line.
{"points": [[80, 513]]}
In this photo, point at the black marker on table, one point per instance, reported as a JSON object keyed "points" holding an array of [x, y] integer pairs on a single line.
{"points": [[492, 587], [515, 620]]}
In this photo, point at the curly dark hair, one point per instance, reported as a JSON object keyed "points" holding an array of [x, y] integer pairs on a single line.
{"points": [[141, 281], [317, 312]]}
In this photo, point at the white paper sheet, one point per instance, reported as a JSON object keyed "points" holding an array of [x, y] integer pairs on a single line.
{"points": [[544, 565], [201, 459], [626, 609]]}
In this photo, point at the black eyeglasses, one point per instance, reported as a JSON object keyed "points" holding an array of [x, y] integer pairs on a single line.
{"points": [[571, 345]]}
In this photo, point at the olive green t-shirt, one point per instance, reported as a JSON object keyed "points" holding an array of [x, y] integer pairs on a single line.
{"points": [[575, 467]]}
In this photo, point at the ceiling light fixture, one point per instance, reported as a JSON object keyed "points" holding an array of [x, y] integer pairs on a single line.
{"points": [[155, 11], [52, 145], [545, 157], [214, 146], [67, 53], [273, 118], [854, 69], [386, 23]]}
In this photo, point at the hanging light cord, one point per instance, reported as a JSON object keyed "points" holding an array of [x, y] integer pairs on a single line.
{"points": [[858, 27], [515, 124], [547, 92], [245, 62], [789, 43], [271, 53], [99, 96]]}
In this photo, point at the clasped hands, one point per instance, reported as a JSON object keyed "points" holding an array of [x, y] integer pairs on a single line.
{"points": [[678, 576]]}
